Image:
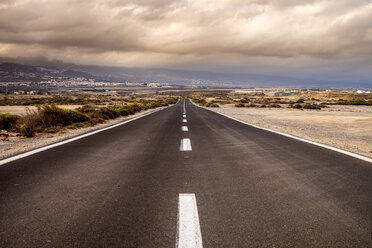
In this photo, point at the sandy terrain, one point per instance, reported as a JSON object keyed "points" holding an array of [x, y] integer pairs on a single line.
{"points": [[23, 110], [345, 127], [16, 145]]}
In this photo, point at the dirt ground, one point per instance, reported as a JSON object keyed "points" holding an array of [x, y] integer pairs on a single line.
{"points": [[345, 127], [23, 110]]}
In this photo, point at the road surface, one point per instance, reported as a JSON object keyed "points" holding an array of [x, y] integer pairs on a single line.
{"points": [[187, 176]]}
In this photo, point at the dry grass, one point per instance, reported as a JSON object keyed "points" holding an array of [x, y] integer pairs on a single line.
{"points": [[50, 118]]}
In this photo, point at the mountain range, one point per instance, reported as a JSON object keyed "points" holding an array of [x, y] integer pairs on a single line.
{"points": [[16, 72]]}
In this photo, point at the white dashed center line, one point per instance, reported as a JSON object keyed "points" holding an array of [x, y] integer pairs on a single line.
{"points": [[184, 120], [185, 145], [189, 235], [185, 128], [184, 116]]}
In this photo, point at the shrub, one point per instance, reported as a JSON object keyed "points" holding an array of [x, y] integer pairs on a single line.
{"points": [[296, 106], [75, 116], [156, 104], [93, 112], [275, 105], [310, 106], [87, 109], [27, 130], [134, 108], [109, 113], [196, 100], [8, 121], [355, 102], [240, 105], [123, 112], [171, 101], [213, 105], [252, 105], [51, 115], [201, 102], [305, 106]]}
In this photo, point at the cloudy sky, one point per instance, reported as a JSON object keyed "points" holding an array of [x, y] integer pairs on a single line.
{"points": [[326, 38]]}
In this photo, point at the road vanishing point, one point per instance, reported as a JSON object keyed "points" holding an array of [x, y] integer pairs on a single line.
{"points": [[185, 176]]}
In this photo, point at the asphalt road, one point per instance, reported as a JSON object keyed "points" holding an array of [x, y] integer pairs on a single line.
{"points": [[120, 188]]}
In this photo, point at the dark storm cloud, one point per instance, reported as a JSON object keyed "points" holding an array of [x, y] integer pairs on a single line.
{"points": [[161, 28]]}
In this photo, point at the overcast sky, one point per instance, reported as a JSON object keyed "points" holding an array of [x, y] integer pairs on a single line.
{"points": [[322, 37]]}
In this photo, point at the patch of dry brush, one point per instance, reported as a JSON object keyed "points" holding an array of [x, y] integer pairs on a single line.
{"points": [[49, 117]]}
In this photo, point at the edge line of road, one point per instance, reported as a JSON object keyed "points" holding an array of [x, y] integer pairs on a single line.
{"points": [[355, 155], [59, 143]]}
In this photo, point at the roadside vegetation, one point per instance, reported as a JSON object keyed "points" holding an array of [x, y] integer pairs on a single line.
{"points": [[50, 118], [267, 98], [307, 106], [204, 103], [7, 121], [260, 101], [254, 105], [76, 99], [300, 103], [355, 102], [34, 100]]}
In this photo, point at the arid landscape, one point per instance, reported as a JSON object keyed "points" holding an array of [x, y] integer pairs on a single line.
{"points": [[345, 127], [341, 119], [186, 124]]}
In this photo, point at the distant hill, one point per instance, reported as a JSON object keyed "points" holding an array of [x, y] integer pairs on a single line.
{"points": [[48, 70], [12, 67], [75, 74], [12, 72], [213, 79]]}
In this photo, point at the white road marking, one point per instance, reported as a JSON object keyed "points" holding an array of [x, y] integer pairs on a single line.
{"points": [[184, 120], [185, 145], [184, 107], [184, 116], [297, 138], [188, 227], [185, 128], [29, 153]]}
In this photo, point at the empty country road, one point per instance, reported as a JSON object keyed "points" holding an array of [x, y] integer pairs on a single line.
{"points": [[186, 177]]}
